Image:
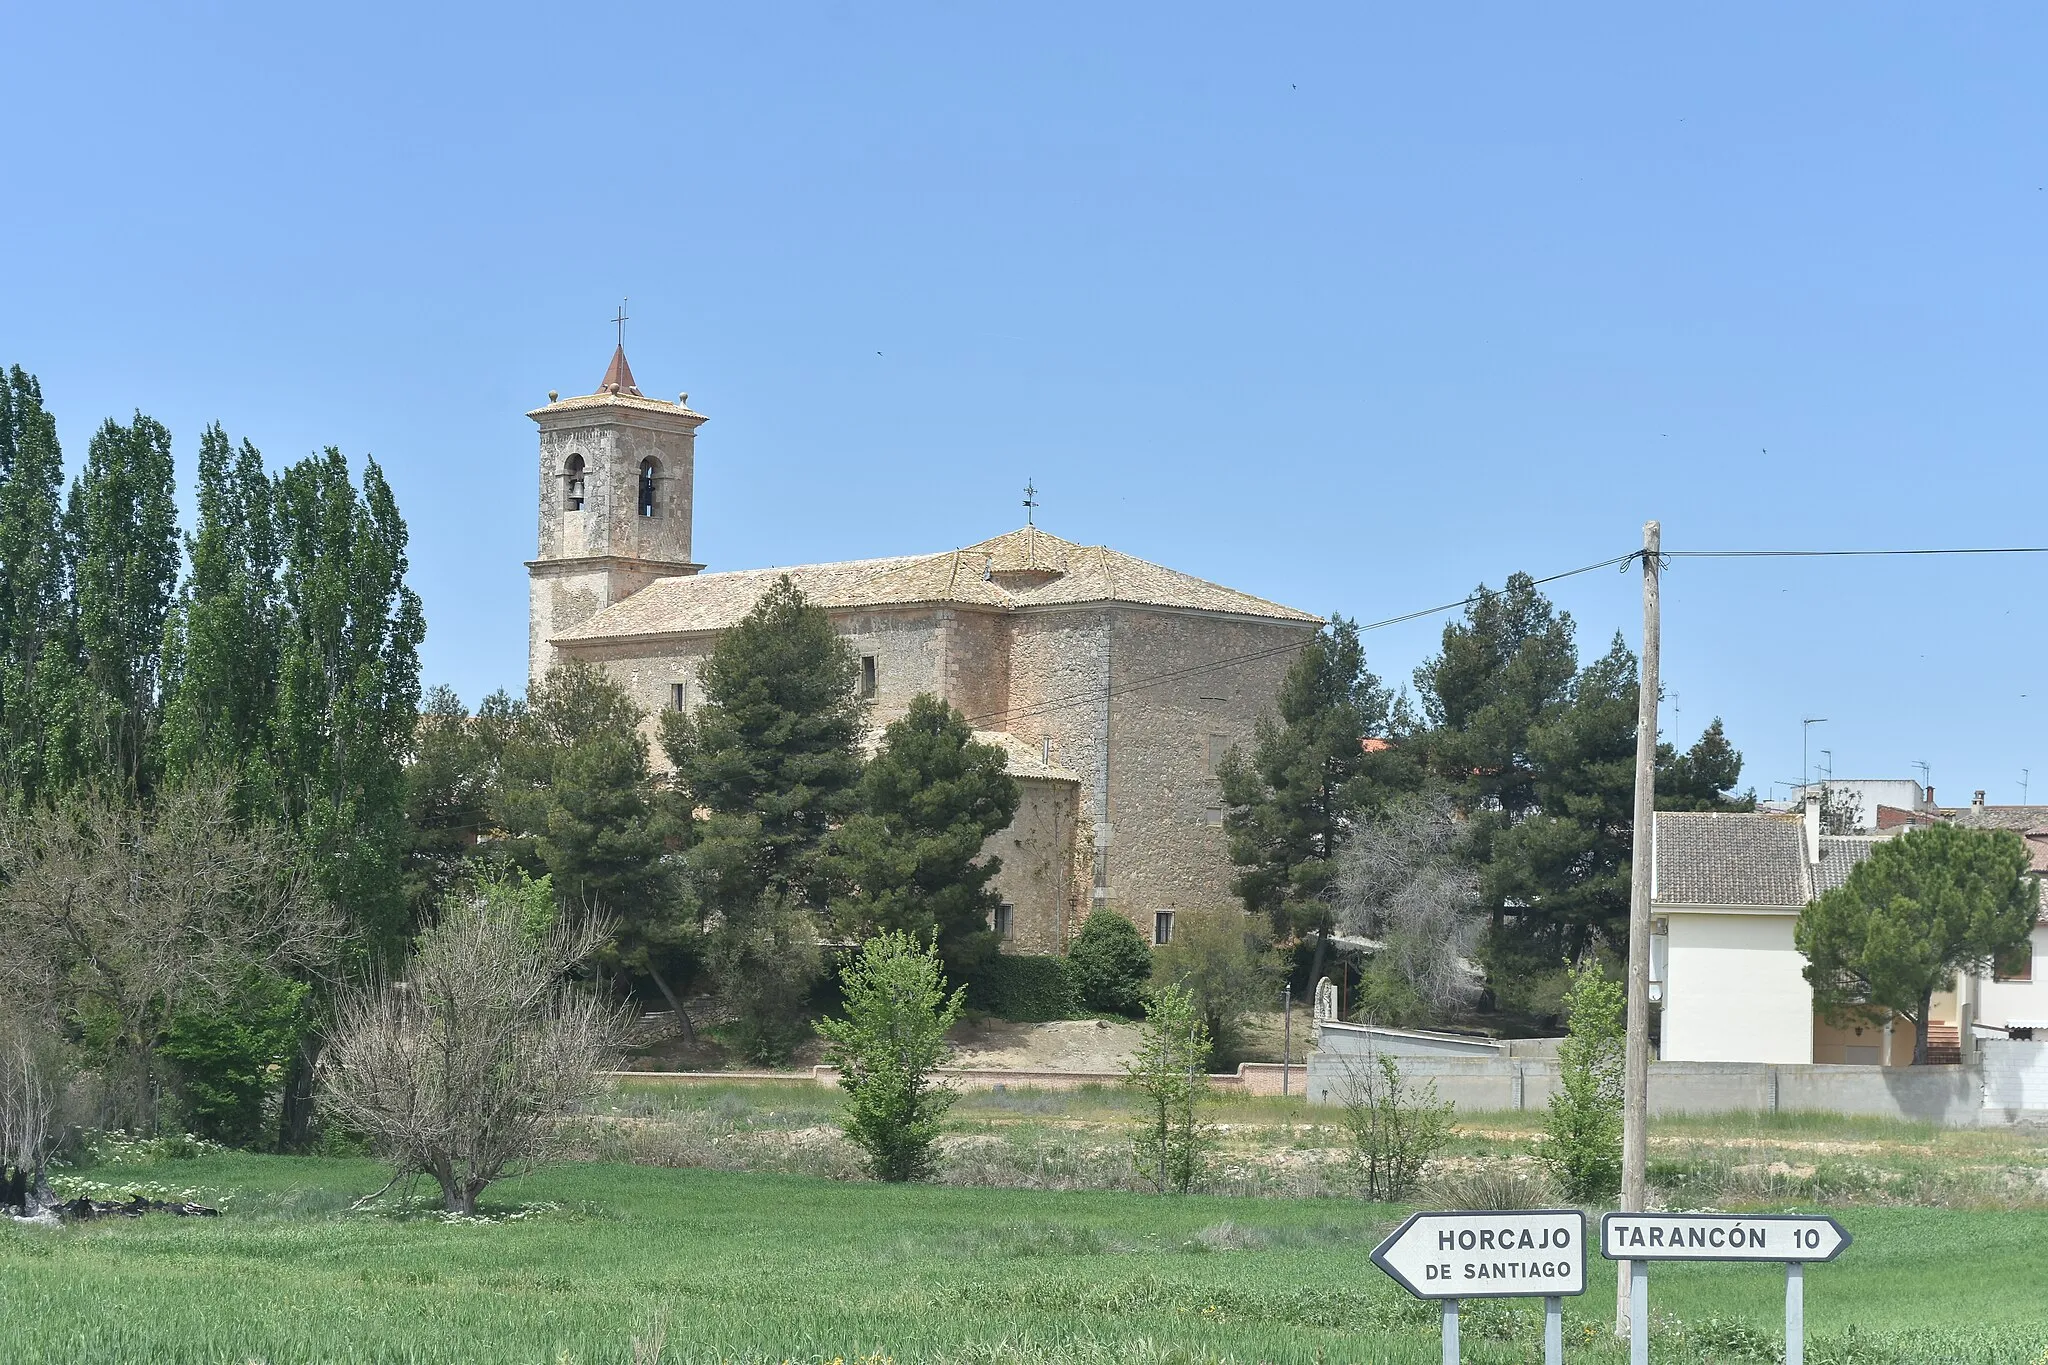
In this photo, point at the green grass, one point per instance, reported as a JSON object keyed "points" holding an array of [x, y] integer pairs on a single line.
{"points": [[747, 1267]]}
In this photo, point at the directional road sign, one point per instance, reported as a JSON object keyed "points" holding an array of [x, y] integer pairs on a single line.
{"points": [[1488, 1255], [1720, 1237]]}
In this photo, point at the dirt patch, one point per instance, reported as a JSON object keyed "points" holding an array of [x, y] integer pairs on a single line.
{"points": [[1063, 1045]]}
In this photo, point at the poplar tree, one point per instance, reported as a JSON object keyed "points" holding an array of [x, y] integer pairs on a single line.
{"points": [[37, 674], [911, 857], [221, 647], [348, 693], [348, 686], [122, 520]]}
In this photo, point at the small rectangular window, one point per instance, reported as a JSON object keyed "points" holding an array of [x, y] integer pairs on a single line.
{"points": [[1219, 746], [1162, 927], [2017, 965], [679, 696], [867, 675], [1213, 816], [1004, 920]]}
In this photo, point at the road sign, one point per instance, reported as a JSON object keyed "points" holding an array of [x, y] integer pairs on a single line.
{"points": [[1720, 1237], [1527, 1253]]}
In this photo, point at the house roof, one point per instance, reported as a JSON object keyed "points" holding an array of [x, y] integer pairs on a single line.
{"points": [[1026, 760], [1717, 858], [1024, 568], [1839, 854]]}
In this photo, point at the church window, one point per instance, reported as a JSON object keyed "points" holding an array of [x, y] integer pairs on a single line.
{"points": [[1003, 920], [648, 469], [679, 696], [572, 484], [867, 675], [1219, 748], [1213, 816], [1162, 928]]}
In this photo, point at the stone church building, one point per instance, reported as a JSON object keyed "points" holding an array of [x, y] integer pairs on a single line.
{"points": [[1115, 685]]}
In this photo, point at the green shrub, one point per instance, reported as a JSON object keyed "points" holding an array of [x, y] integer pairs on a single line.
{"points": [[1171, 1149], [1024, 990], [1582, 1136], [892, 1039], [1110, 964], [1396, 1127], [1225, 960], [230, 1054]]}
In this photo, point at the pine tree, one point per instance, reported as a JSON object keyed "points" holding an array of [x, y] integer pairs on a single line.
{"points": [[450, 784], [1921, 908], [37, 669], [773, 756], [221, 646], [122, 520], [1704, 776], [576, 793], [1310, 771], [1500, 671], [1567, 863], [911, 858]]}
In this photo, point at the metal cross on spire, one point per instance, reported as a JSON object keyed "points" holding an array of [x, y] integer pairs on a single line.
{"points": [[1030, 502], [621, 321]]}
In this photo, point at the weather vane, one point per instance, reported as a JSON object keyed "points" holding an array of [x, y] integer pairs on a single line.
{"points": [[1030, 502], [621, 321]]}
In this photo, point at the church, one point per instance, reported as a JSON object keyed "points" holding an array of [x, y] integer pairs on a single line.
{"points": [[1115, 686]]}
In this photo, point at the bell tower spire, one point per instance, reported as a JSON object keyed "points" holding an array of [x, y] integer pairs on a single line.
{"points": [[617, 477]]}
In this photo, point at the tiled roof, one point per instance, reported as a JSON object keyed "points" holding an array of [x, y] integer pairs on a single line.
{"points": [[1838, 854], [1025, 568], [1711, 858], [1026, 760], [2019, 819]]}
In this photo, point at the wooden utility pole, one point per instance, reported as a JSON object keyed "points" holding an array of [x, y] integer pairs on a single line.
{"points": [[1635, 1104]]}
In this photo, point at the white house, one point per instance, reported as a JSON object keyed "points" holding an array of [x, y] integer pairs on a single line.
{"points": [[1726, 891]]}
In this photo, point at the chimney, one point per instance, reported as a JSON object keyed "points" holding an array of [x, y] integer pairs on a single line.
{"points": [[1977, 800], [1812, 827], [1930, 796]]}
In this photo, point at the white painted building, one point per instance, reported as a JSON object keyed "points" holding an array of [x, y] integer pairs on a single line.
{"points": [[1726, 892]]}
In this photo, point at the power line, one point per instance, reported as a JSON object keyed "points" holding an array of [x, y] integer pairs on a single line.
{"points": [[1843, 554], [1092, 695]]}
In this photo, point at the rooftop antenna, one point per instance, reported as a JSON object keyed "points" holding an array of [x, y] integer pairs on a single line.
{"points": [[2023, 785], [1926, 774], [1030, 503], [1806, 724], [1827, 763]]}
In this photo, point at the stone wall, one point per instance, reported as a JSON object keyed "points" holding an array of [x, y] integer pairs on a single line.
{"points": [[1146, 750], [1170, 712], [1038, 859]]}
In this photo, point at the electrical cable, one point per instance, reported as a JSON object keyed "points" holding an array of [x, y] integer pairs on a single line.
{"points": [[1093, 695]]}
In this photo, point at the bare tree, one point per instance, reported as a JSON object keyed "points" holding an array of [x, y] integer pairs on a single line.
{"points": [[466, 1068], [127, 915], [1404, 881], [33, 1072]]}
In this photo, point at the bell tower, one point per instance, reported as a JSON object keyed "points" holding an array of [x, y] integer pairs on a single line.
{"points": [[616, 476]]}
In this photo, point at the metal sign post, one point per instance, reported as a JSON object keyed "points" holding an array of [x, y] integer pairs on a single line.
{"points": [[1533, 1253], [1791, 1239]]}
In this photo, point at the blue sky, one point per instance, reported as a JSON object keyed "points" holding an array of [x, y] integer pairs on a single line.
{"points": [[1351, 307]]}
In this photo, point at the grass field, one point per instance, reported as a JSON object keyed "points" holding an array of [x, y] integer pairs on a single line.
{"points": [[575, 1264]]}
